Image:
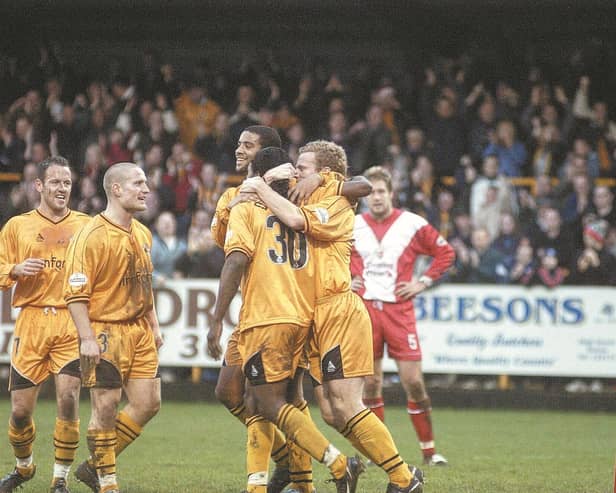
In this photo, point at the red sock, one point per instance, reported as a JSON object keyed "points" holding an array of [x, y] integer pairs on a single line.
{"points": [[377, 406], [420, 417]]}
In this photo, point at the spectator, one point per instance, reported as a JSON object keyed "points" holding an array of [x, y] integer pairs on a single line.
{"points": [[508, 239], [217, 147], [483, 263], [603, 204], [195, 111], [523, 269], [482, 129], [446, 133], [550, 274], [578, 202], [594, 264], [371, 140], [167, 249], [550, 233], [203, 257], [502, 197], [510, 151]]}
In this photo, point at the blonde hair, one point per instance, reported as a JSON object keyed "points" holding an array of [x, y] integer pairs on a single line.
{"points": [[379, 173], [328, 155], [116, 174]]}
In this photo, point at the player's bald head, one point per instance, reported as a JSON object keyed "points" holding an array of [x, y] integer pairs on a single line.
{"points": [[117, 173]]}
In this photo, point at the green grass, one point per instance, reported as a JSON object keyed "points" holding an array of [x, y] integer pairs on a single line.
{"points": [[199, 447]]}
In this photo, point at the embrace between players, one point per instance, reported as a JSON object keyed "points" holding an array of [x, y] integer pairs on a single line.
{"points": [[298, 312]]}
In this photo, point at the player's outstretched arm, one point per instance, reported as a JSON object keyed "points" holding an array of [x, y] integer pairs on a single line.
{"points": [[356, 188]]}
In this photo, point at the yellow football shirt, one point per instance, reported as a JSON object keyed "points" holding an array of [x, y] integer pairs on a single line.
{"points": [[270, 290], [33, 235], [110, 268]]}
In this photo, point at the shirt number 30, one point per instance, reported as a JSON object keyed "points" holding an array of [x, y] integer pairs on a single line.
{"points": [[292, 246]]}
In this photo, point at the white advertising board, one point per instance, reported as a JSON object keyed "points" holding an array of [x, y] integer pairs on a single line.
{"points": [[479, 329]]}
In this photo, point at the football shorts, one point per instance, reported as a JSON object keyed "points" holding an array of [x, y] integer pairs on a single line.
{"points": [[341, 345], [394, 324], [232, 354], [44, 343], [128, 351], [271, 353]]}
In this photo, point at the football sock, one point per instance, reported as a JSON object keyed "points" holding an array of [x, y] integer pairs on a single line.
{"points": [[258, 449], [127, 431], [301, 430], [420, 414], [65, 441], [21, 439], [300, 462], [371, 437], [280, 451], [377, 406], [102, 444]]}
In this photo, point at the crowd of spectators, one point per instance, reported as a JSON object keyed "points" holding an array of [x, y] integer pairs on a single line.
{"points": [[517, 175]]}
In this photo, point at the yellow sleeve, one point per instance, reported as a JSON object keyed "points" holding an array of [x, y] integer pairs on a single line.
{"points": [[8, 251], [86, 254], [240, 234], [330, 187], [221, 217], [329, 219]]}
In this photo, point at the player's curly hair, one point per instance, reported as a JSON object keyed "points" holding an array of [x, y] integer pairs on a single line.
{"points": [[328, 155], [379, 173]]}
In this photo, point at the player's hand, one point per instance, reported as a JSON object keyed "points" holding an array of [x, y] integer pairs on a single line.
{"points": [[407, 290], [90, 354], [158, 337], [213, 339], [252, 185], [304, 189], [284, 171], [357, 283], [29, 267]]}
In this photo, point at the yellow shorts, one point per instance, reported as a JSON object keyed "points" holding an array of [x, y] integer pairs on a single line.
{"points": [[272, 352], [44, 343], [128, 351], [232, 353], [341, 345]]}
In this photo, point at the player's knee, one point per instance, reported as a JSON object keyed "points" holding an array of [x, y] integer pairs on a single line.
{"points": [[416, 389], [227, 396], [21, 416], [328, 417], [68, 404], [372, 386]]}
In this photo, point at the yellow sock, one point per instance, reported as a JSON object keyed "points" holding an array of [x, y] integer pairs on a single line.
{"points": [[302, 431], [127, 431], [258, 450], [300, 462], [66, 441], [280, 451], [370, 436], [102, 444], [21, 439]]}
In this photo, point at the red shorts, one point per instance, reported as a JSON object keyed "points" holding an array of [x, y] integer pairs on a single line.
{"points": [[394, 324]]}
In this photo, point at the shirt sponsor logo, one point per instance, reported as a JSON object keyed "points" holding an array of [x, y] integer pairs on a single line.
{"points": [[77, 280]]}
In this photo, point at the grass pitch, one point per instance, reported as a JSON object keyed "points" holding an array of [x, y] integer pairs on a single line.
{"points": [[199, 447]]}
